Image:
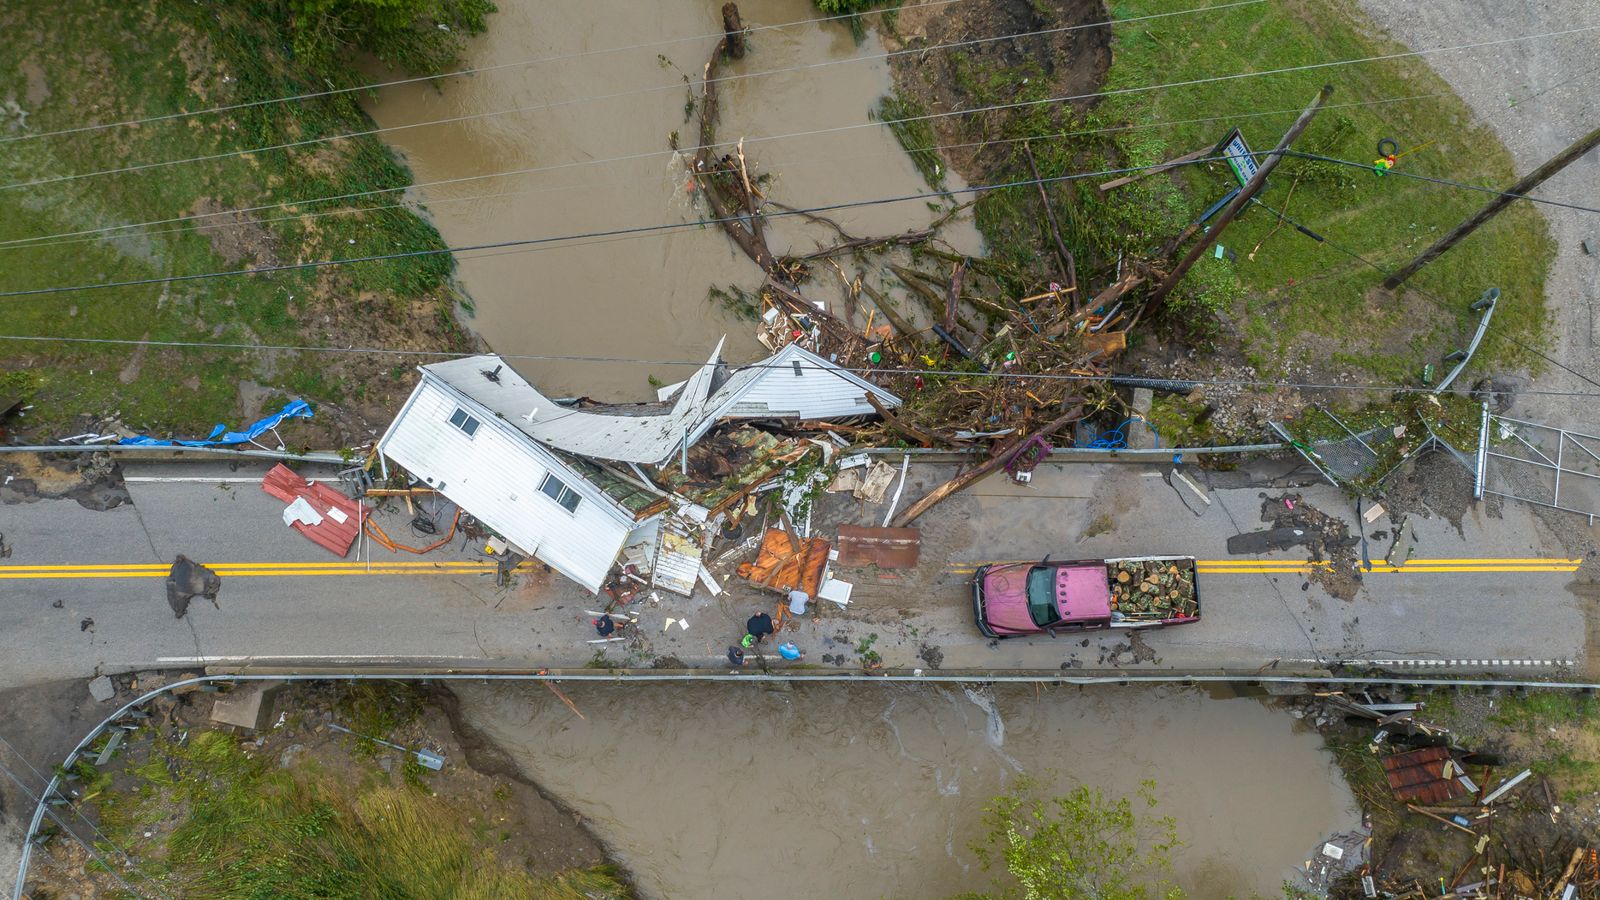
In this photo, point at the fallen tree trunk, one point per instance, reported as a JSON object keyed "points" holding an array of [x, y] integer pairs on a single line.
{"points": [[995, 463], [738, 215]]}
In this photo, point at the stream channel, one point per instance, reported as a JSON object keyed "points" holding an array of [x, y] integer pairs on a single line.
{"points": [[719, 790], [642, 297], [742, 790]]}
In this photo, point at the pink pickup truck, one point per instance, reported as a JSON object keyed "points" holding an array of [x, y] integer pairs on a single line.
{"points": [[1011, 599]]}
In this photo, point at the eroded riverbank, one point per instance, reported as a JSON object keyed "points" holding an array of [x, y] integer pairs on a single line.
{"points": [[870, 791]]}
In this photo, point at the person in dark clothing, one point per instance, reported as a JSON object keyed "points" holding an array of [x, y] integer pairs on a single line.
{"points": [[606, 626], [759, 627], [736, 656]]}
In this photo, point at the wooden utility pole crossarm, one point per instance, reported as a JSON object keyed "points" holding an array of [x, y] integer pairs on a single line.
{"points": [[1250, 189], [1515, 192]]}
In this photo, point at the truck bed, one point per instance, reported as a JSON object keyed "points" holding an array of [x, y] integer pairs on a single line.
{"points": [[1148, 591]]}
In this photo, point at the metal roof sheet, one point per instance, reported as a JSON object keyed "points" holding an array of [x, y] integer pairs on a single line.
{"points": [[638, 437]]}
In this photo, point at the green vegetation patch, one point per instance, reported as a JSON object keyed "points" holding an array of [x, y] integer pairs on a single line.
{"points": [[1308, 301], [87, 62], [246, 827]]}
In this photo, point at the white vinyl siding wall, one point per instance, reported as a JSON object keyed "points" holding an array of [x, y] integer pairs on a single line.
{"points": [[495, 475]]}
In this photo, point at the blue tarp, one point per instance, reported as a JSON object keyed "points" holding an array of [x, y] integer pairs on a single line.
{"points": [[222, 437]]}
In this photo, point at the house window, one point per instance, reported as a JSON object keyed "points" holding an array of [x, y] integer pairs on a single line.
{"points": [[466, 423], [558, 491]]}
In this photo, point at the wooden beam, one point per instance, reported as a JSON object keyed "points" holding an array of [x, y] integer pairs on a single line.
{"points": [[1164, 167]]}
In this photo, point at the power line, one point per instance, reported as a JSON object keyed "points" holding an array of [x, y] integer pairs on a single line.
{"points": [[832, 130], [531, 243], [476, 70], [36, 240], [1444, 181], [536, 357], [468, 117]]}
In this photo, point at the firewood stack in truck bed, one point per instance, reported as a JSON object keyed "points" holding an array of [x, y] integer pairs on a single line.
{"points": [[1151, 589]]}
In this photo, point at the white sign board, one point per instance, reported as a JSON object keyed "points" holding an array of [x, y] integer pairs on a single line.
{"points": [[1239, 158]]}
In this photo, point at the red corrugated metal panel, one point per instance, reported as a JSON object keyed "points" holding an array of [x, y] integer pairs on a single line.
{"points": [[331, 534], [1419, 776]]}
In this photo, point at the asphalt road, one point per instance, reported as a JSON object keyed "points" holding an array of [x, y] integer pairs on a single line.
{"points": [[1490, 597]]}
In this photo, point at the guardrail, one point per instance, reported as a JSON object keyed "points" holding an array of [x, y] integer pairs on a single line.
{"points": [[788, 676]]}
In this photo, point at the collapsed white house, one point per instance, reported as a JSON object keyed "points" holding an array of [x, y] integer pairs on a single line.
{"points": [[562, 482]]}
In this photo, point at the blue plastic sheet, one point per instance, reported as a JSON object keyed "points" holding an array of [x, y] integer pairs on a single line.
{"points": [[222, 437]]}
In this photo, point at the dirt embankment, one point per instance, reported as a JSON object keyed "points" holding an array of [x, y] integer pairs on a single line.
{"points": [[1071, 62]]}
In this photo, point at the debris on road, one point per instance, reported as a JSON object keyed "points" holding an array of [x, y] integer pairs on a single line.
{"points": [[186, 580], [325, 516]]}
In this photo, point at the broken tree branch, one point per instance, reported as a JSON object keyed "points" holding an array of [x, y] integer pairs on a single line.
{"points": [[1069, 266]]}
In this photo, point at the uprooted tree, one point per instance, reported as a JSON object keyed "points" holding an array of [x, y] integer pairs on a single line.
{"points": [[943, 369], [1077, 845]]}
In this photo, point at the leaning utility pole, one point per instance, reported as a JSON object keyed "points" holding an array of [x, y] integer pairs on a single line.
{"points": [[1249, 190], [1515, 192]]}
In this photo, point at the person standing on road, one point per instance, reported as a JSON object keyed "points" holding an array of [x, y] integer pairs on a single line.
{"points": [[790, 652], [758, 628], [797, 602], [605, 626]]}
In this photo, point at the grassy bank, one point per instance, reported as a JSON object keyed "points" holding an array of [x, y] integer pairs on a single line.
{"points": [[91, 61], [1287, 305], [1306, 300], [301, 810]]}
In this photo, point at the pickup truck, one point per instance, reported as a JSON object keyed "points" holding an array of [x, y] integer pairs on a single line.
{"points": [[1010, 599]]}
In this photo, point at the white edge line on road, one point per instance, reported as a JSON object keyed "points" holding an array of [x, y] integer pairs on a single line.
{"points": [[203, 479], [193, 660]]}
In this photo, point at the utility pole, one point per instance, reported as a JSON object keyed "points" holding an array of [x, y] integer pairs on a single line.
{"points": [[1515, 192], [1250, 189]]}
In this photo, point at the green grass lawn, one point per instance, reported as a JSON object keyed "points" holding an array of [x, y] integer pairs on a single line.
{"points": [[242, 826], [1308, 302], [90, 61]]}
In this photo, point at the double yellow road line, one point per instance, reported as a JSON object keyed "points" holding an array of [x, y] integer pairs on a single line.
{"points": [[1413, 567], [254, 569], [472, 567]]}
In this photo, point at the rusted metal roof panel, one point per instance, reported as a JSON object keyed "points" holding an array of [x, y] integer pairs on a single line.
{"points": [[783, 567], [886, 548], [330, 533], [1418, 776]]}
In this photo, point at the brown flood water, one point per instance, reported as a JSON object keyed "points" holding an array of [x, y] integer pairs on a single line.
{"points": [[643, 297], [877, 791]]}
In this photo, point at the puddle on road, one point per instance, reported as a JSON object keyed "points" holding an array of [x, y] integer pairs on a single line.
{"points": [[641, 297], [876, 791]]}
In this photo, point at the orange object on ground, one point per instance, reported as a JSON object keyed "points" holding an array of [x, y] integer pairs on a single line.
{"points": [[783, 567], [330, 533]]}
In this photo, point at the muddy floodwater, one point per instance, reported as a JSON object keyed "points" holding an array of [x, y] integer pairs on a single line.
{"points": [[877, 790], [641, 297]]}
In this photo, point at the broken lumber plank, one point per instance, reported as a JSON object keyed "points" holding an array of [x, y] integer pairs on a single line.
{"points": [[1440, 819], [1163, 167], [1007, 451]]}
